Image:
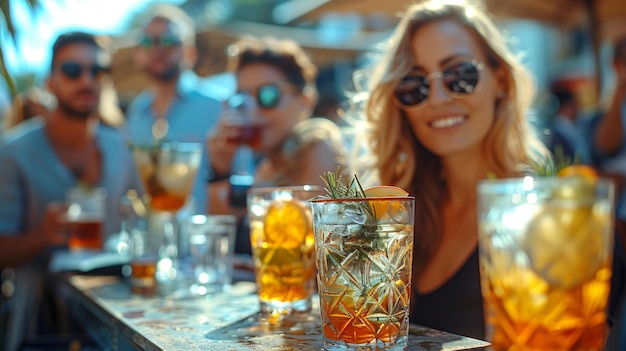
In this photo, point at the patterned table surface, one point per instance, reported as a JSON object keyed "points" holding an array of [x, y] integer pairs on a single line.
{"points": [[224, 322]]}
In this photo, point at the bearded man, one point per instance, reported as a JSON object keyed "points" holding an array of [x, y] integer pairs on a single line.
{"points": [[42, 159], [174, 107]]}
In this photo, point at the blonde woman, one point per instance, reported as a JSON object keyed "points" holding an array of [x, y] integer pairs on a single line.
{"points": [[447, 108]]}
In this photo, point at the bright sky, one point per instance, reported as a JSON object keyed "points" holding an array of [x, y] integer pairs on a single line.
{"points": [[36, 31]]}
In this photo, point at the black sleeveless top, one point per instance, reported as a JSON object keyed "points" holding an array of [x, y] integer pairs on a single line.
{"points": [[456, 306]]}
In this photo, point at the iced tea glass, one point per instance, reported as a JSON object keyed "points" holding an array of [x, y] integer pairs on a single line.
{"points": [[281, 235], [364, 250], [545, 262]]}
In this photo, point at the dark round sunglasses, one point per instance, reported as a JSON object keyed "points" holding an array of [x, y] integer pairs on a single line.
{"points": [[458, 79], [267, 96], [74, 70]]}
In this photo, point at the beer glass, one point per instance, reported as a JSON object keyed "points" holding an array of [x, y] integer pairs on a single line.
{"points": [[83, 219]]}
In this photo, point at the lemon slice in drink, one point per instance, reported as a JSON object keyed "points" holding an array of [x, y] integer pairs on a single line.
{"points": [[286, 224], [382, 207], [564, 241]]}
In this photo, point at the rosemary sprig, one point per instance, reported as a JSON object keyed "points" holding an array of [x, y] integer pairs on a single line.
{"points": [[551, 166], [337, 189]]}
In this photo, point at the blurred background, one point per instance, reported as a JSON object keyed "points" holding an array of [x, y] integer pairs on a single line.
{"points": [[563, 42]]}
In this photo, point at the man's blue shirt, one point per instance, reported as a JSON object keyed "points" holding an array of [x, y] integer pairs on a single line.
{"points": [[191, 116]]}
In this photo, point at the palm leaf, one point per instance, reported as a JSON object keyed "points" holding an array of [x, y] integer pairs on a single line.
{"points": [[9, 25]]}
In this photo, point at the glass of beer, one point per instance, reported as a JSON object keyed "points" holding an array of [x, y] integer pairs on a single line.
{"points": [[281, 233], [83, 219], [545, 262]]}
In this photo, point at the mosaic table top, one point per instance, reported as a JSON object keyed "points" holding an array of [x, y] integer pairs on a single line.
{"points": [[222, 322]]}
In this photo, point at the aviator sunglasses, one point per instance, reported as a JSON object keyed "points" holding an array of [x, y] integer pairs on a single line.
{"points": [[458, 80], [267, 95], [74, 70]]}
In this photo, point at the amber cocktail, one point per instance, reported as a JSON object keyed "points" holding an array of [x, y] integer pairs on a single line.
{"points": [[168, 172], [545, 257], [281, 234], [364, 258], [143, 276], [249, 133]]}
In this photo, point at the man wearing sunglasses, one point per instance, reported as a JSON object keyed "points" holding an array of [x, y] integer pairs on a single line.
{"points": [[41, 159], [173, 107]]}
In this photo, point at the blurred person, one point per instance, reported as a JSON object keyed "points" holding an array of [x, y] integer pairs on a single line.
{"points": [[41, 159], [30, 103], [446, 109], [279, 78], [608, 145], [566, 139], [609, 135], [173, 108]]}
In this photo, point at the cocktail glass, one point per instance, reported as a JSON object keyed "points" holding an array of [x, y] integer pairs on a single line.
{"points": [[545, 262], [364, 250], [168, 172], [281, 235]]}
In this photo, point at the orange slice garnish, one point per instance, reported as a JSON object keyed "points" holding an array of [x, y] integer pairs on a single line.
{"points": [[385, 191], [579, 171], [286, 224], [383, 207]]}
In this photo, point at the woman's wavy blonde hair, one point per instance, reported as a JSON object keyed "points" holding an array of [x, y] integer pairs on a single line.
{"points": [[396, 154]]}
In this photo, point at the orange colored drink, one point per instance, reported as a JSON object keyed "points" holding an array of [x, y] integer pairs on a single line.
{"points": [[168, 182], [526, 312], [281, 235], [285, 270], [143, 280], [545, 259]]}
